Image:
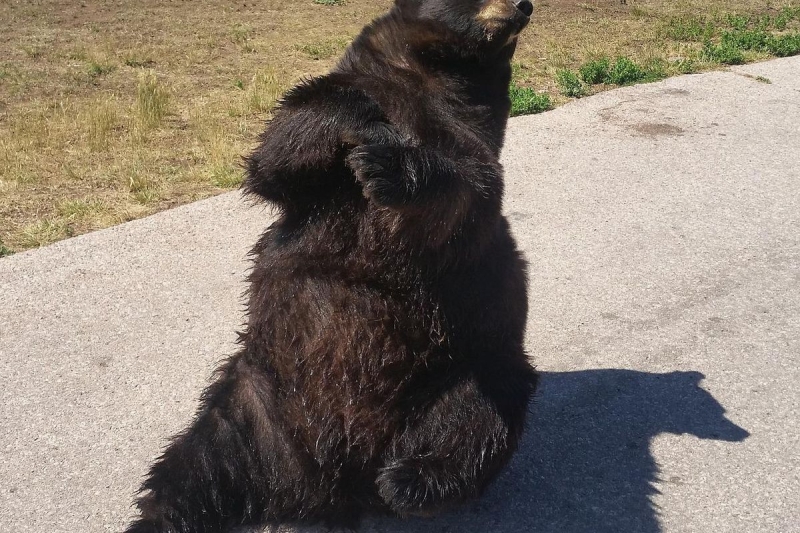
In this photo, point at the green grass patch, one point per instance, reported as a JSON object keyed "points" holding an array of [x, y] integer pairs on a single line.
{"points": [[226, 176], [44, 232], [135, 61], [152, 101], [570, 84], [688, 28], [526, 101], [727, 38], [5, 250], [784, 45], [96, 69], [723, 53], [623, 71], [322, 49], [595, 71]]}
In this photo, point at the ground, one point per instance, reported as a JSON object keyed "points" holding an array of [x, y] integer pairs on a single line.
{"points": [[111, 111]]}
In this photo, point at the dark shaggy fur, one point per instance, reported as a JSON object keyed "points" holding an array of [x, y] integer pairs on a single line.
{"points": [[382, 367]]}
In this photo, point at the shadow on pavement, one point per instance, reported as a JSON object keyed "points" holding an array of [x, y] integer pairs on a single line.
{"points": [[585, 463]]}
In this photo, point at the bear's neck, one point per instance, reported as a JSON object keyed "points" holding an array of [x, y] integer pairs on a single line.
{"points": [[393, 46]]}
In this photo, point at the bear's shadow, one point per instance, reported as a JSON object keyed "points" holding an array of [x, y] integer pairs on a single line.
{"points": [[584, 464]]}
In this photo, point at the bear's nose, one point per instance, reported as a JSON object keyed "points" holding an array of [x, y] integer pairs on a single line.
{"points": [[525, 6]]}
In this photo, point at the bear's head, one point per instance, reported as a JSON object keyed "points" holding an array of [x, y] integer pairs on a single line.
{"points": [[479, 24]]}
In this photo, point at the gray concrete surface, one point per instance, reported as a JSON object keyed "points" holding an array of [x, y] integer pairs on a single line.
{"points": [[662, 226]]}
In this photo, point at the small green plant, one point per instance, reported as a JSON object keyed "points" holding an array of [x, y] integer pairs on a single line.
{"points": [[135, 61], [595, 71], [519, 72], [45, 232], [737, 22], [96, 69], [685, 65], [762, 79], [322, 49], [143, 189], [625, 72], [724, 53], [784, 45], [786, 15], [5, 250], [570, 84], [152, 101], [689, 29], [263, 91], [526, 101], [755, 40], [240, 35], [81, 208], [226, 176], [100, 121], [655, 69]]}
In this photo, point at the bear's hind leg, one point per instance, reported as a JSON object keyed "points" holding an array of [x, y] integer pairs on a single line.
{"points": [[461, 444], [233, 466]]}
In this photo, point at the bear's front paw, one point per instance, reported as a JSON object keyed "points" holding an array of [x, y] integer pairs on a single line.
{"points": [[379, 169]]}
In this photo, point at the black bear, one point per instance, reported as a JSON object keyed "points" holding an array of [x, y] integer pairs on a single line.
{"points": [[382, 368]]}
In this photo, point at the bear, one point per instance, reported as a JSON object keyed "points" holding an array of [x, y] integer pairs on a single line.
{"points": [[382, 366]]}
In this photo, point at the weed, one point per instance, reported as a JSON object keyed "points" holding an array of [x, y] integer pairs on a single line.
{"points": [[519, 72], [655, 68], [784, 45], [96, 69], [81, 208], [152, 101], [78, 54], [595, 71], [786, 15], [724, 53], [746, 39], [33, 51], [762, 79], [737, 22], [570, 84], [44, 232], [136, 61], [685, 65], [5, 250], [689, 29], [100, 120], [226, 176], [144, 190], [526, 101], [625, 72], [322, 49], [240, 35], [263, 91]]}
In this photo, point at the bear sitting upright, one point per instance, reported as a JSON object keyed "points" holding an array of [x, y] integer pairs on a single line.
{"points": [[382, 368]]}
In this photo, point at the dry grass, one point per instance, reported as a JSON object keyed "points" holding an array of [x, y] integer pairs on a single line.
{"points": [[113, 111]]}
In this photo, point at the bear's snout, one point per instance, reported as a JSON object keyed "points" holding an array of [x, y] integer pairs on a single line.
{"points": [[525, 6]]}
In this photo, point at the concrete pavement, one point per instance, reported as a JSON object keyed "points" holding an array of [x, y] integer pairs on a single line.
{"points": [[662, 227]]}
